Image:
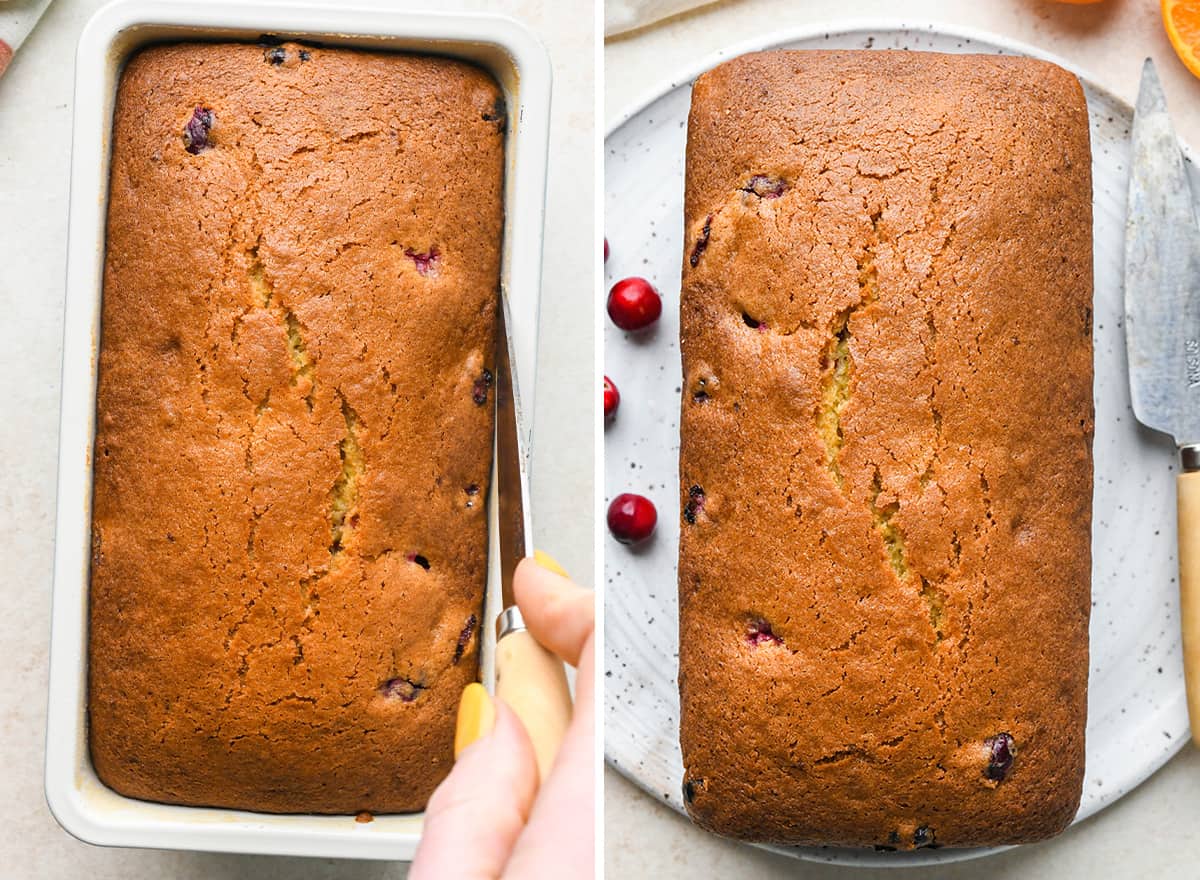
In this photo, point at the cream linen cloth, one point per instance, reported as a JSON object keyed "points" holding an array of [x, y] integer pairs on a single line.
{"points": [[625, 15]]}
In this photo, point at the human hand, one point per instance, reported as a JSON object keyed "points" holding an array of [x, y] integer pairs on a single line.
{"points": [[489, 819]]}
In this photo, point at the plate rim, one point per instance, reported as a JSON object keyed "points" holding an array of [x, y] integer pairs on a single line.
{"points": [[875, 26]]}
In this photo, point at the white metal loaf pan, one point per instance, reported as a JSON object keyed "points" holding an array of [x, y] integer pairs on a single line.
{"points": [[80, 802]]}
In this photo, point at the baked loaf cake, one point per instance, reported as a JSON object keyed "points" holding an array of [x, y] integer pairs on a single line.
{"points": [[886, 480], [294, 425]]}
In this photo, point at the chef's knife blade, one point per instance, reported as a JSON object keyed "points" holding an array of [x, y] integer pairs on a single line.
{"points": [[515, 531], [1162, 275], [529, 679], [1162, 333]]}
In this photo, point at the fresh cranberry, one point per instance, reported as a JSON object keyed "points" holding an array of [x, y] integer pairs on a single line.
{"points": [[694, 505], [612, 399], [701, 242], [195, 133], [1000, 756], [631, 518], [760, 633], [403, 689], [606, 248], [633, 303]]}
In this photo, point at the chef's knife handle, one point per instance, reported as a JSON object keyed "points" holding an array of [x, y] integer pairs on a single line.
{"points": [[1188, 486], [533, 683]]}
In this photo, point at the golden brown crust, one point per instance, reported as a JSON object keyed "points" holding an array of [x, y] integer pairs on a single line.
{"points": [[885, 562], [286, 420]]}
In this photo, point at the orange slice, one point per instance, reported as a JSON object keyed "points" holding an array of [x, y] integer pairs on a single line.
{"points": [[1181, 18]]}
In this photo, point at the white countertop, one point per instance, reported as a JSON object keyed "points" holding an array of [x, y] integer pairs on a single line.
{"points": [[35, 128], [1153, 832]]}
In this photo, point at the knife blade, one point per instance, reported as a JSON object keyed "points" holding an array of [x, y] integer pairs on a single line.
{"points": [[1162, 274], [1162, 333], [512, 481], [529, 679]]}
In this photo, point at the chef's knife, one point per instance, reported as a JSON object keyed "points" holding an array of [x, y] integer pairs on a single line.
{"points": [[1162, 333], [529, 679]]}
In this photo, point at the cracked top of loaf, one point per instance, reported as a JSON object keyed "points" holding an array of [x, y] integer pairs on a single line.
{"points": [[885, 465], [293, 424]]}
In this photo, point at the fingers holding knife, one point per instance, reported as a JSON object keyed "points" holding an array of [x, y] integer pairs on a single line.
{"points": [[515, 825]]}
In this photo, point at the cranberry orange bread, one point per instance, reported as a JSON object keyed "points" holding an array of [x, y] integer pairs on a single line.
{"points": [[884, 572], [294, 432]]}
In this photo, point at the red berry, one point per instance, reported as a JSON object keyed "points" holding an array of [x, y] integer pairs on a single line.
{"points": [[760, 633], [1001, 755], [633, 303], [196, 131], [606, 248], [631, 518], [612, 398]]}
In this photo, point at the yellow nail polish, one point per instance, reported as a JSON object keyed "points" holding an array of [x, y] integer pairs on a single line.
{"points": [[548, 562], [476, 716]]}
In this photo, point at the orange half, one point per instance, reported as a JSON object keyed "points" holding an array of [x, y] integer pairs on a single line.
{"points": [[1181, 18]]}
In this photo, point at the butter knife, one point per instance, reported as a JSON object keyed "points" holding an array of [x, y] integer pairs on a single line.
{"points": [[1162, 333], [529, 679]]}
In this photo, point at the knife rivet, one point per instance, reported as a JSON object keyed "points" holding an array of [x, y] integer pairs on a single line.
{"points": [[509, 621]]}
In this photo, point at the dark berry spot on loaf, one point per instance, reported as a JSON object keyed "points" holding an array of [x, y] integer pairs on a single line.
{"points": [[760, 633], [753, 323], [701, 242], [700, 392], [497, 114], [464, 638], [765, 186], [426, 263], [418, 559], [275, 55], [403, 689], [1001, 754], [197, 129], [691, 786], [923, 837], [480, 392], [305, 55], [695, 504], [472, 490]]}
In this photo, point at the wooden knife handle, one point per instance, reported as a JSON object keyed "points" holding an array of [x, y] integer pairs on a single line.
{"points": [[1188, 486], [533, 683]]}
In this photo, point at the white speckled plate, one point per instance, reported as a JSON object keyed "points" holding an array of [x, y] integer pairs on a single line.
{"points": [[1137, 715]]}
